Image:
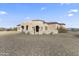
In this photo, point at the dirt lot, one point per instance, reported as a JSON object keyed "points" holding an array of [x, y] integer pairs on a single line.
{"points": [[18, 44]]}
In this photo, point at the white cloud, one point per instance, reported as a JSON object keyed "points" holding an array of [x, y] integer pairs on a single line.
{"points": [[27, 18], [3, 13], [43, 8], [73, 11], [70, 14]]}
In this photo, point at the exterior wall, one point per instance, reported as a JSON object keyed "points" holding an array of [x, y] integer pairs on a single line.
{"points": [[32, 25], [52, 26], [46, 31]]}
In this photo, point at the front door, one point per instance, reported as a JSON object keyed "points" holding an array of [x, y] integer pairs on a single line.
{"points": [[37, 28]]}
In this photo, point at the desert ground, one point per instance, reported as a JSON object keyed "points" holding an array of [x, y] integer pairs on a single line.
{"points": [[13, 43]]}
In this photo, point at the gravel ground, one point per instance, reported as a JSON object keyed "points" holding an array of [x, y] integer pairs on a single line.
{"points": [[18, 44]]}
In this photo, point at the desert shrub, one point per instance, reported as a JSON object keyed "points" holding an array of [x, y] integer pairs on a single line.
{"points": [[62, 30], [77, 35]]}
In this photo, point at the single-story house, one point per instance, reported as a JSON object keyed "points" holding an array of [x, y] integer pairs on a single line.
{"points": [[39, 27]]}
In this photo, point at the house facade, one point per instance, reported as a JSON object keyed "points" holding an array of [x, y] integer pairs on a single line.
{"points": [[39, 27]]}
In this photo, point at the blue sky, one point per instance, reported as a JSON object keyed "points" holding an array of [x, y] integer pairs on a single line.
{"points": [[13, 14]]}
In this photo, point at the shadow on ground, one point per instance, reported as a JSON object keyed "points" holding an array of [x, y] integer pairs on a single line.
{"points": [[77, 35]]}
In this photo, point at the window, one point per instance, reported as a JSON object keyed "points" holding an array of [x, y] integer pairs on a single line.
{"points": [[22, 27], [46, 28], [26, 27]]}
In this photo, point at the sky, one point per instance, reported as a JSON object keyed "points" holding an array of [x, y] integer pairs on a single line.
{"points": [[12, 14]]}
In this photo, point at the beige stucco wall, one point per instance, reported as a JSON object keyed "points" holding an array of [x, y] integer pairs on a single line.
{"points": [[32, 24], [53, 26]]}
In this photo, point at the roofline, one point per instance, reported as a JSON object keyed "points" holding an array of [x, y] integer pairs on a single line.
{"points": [[62, 24], [39, 20], [52, 22], [18, 24], [46, 22]]}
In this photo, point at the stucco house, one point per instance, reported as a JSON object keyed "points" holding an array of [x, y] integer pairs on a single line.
{"points": [[39, 27]]}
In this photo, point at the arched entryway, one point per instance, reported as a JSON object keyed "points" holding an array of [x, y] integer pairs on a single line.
{"points": [[22, 27], [37, 28]]}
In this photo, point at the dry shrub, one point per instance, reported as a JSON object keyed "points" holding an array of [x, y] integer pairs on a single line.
{"points": [[62, 30]]}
